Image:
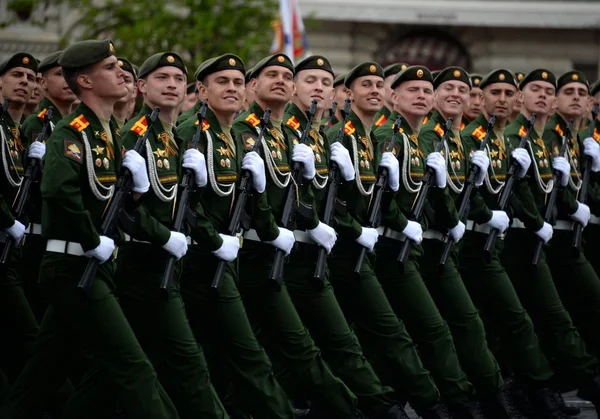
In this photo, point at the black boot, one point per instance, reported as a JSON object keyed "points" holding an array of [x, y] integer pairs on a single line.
{"points": [[591, 392], [436, 412], [565, 408], [395, 412], [495, 407], [544, 402], [469, 409]]}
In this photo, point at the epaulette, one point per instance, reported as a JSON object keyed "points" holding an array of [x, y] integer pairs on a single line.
{"points": [[479, 133], [349, 128], [439, 130], [559, 130], [462, 126], [253, 119], [596, 134], [522, 131], [381, 120], [293, 123], [80, 123], [205, 125], [425, 120], [42, 113], [140, 126]]}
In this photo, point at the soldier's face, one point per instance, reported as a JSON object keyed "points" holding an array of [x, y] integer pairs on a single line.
{"points": [[413, 97], [314, 85], [451, 97], [340, 94], [224, 90], [105, 79], [189, 101], [367, 93], [17, 84], [164, 87], [499, 99], [55, 86], [274, 84], [131, 87], [571, 100], [539, 97], [36, 92], [475, 103], [387, 85], [518, 103]]}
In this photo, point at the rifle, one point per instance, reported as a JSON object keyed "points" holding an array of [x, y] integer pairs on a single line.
{"points": [[113, 211], [331, 114], [292, 205], [332, 202], [490, 243], [31, 176], [419, 205], [186, 188], [551, 203], [468, 189], [380, 185], [239, 217], [577, 232]]}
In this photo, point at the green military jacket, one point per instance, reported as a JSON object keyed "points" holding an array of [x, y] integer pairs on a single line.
{"points": [[276, 150], [357, 193], [80, 170], [566, 202], [32, 127], [593, 197], [189, 113], [14, 156], [154, 220], [329, 122], [381, 117]]}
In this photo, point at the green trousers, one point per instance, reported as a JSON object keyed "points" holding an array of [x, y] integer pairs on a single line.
{"points": [[591, 245], [382, 335], [278, 325], [578, 286], [97, 327], [320, 312], [221, 326], [162, 329], [553, 324], [29, 269], [493, 292], [413, 303]]}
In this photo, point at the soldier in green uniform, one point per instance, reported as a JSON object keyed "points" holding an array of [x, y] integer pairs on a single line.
{"points": [[161, 325], [535, 287], [315, 301], [19, 325], [193, 110], [389, 73], [475, 98], [123, 110], [363, 300], [271, 310], [339, 97], [519, 102], [496, 296], [191, 97], [219, 320], [248, 93], [75, 193]]}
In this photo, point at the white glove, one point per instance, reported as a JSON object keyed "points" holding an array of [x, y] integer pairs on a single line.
{"points": [[304, 154], [253, 163], [522, 157], [456, 233], [368, 238], [229, 249], [499, 221], [390, 162], [285, 241], [562, 166], [481, 160], [137, 166], [177, 245], [324, 235], [545, 233], [195, 161], [413, 231], [341, 156], [16, 231], [438, 163], [103, 251], [582, 215], [37, 150], [592, 148]]}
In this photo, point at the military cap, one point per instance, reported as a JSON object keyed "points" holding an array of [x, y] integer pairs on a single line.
{"points": [[452, 74], [339, 80], [572, 76], [126, 65], [162, 59], [415, 72], [50, 61], [393, 69], [223, 62], [191, 88], [595, 88], [500, 75], [86, 53], [519, 75], [368, 68], [281, 60], [248, 75], [475, 79], [20, 59], [538, 75], [314, 62]]}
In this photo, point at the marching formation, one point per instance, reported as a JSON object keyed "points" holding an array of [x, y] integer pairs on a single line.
{"points": [[285, 242]]}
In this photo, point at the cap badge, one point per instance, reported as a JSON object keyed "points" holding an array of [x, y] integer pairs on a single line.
{"points": [[419, 73], [170, 59], [456, 73], [544, 75], [575, 77], [25, 60], [231, 62], [280, 59], [320, 62], [501, 76], [372, 68]]}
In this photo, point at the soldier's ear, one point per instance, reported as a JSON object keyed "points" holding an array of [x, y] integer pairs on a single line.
{"points": [[84, 81], [202, 91], [520, 96], [253, 84], [43, 83], [141, 84], [394, 96]]}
